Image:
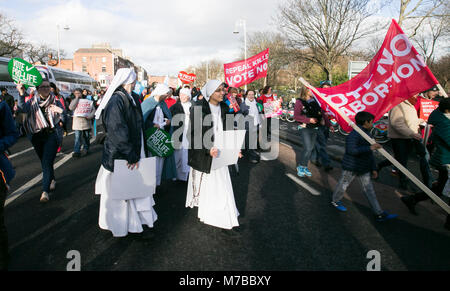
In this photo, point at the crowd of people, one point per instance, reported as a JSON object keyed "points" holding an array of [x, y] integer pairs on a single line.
{"points": [[126, 114]]}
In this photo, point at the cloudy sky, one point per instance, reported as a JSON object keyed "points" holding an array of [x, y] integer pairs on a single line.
{"points": [[162, 36]]}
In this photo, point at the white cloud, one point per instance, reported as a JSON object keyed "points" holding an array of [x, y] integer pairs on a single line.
{"points": [[162, 36]]}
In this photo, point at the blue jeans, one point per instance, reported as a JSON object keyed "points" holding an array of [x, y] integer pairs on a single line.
{"points": [[308, 138], [83, 136], [46, 145], [320, 150]]}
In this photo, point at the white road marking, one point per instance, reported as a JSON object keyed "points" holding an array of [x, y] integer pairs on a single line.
{"points": [[19, 192], [22, 152], [303, 184]]}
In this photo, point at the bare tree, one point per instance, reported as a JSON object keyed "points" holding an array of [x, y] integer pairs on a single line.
{"points": [[41, 53], [441, 69], [11, 38], [278, 52], [413, 13], [324, 30]]}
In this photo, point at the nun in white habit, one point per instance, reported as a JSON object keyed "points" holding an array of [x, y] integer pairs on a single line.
{"points": [[123, 121], [210, 190]]}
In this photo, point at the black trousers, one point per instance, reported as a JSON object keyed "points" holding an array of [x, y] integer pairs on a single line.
{"points": [[402, 149], [3, 233]]}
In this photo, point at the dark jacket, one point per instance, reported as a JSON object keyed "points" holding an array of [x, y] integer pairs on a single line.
{"points": [[358, 157], [8, 137], [304, 111], [124, 129], [177, 109], [200, 159], [440, 138], [9, 100]]}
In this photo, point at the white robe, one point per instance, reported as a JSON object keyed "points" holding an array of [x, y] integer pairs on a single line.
{"points": [[181, 155], [122, 216], [216, 205]]}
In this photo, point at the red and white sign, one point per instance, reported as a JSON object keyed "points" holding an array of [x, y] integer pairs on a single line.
{"points": [[186, 78], [426, 107], [84, 108], [244, 72], [396, 73]]}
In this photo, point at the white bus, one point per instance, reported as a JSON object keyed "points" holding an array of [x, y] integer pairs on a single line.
{"points": [[66, 81]]}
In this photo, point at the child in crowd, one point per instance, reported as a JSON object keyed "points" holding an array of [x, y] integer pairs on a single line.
{"points": [[359, 162]]}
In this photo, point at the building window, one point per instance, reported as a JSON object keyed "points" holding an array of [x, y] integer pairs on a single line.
{"points": [[104, 59], [103, 69], [84, 69], [84, 59], [97, 60]]}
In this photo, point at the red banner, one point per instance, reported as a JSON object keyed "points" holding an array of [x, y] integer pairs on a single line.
{"points": [[244, 72], [426, 107], [186, 78], [396, 73]]}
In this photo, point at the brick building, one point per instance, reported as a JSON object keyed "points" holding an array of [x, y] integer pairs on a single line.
{"points": [[101, 62]]}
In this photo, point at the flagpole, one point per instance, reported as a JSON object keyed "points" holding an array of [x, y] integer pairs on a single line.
{"points": [[382, 151]]}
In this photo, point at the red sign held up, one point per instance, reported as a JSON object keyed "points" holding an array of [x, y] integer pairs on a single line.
{"points": [[186, 78], [244, 72]]}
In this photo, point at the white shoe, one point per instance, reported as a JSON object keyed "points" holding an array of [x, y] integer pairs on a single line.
{"points": [[53, 185], [44, 197]]}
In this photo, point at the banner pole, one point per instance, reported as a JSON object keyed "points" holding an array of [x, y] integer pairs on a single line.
{"points": [[442, 90], [382, 151]]}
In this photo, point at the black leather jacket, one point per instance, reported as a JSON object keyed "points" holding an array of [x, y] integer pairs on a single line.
{"points": [[124, 129], [200, 159]]}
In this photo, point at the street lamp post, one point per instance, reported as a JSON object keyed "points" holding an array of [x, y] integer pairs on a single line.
{"points": [[57, 41], [243, 23]]}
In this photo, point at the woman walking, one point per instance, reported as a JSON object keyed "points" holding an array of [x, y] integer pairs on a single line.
{"points": [[45, 117], [309, 114]]}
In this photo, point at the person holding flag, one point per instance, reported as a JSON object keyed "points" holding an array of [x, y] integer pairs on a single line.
{"points": [[45, 116]]}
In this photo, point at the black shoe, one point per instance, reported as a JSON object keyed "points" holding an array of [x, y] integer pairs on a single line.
{"points": [[148, 233], [253, 161], [328, 168], [410, 203], [76, 155]]}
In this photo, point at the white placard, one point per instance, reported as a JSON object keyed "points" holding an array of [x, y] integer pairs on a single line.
{"points": [[229, 144], [130, 184], [84, 108]]}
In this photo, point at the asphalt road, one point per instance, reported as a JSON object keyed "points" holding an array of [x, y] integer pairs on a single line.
{"points": [[283, 225]]}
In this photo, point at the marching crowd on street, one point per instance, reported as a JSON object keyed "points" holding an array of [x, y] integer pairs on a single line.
{"points": [[43, 114]]}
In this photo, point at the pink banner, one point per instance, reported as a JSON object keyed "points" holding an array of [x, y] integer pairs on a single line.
{"points": [[244, 72], [396, 73]]}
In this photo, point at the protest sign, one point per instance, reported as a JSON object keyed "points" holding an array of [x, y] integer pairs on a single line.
{"points": [[186, 78], [244, 72], [396, 73], [272, 109], [233, 103], [426, 107], [84, 108], [24, 72], [158, 142]]}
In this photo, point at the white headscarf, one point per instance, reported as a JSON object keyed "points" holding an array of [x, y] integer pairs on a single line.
{"points": [[123, 77], [185, 91], [210, 88], [160, 89]]}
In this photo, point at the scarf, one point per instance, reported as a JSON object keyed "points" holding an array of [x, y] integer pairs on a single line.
{"points": [[253, 111], [44, 114]]}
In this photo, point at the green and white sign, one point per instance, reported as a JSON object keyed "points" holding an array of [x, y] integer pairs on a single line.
{"points": [[24, 72], [158, 142]]}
